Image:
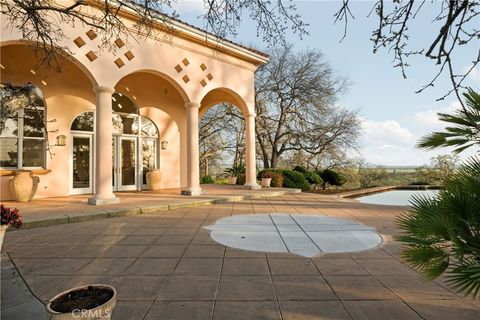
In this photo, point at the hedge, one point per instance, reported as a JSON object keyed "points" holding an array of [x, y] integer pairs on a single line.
{"points": [[207, 180]]}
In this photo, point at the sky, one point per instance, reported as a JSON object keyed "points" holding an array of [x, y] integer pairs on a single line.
{"points": [[393, 116]]}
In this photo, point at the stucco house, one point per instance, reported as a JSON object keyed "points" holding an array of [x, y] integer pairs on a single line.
{"points": [[122, 112]]}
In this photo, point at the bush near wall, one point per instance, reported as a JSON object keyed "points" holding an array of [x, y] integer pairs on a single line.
{"points": [[207, 180]]}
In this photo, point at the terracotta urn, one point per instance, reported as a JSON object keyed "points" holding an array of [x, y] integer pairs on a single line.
{"points": [[75, 311], [154, 178], [232, 180], [266, 182], [23, 185]]}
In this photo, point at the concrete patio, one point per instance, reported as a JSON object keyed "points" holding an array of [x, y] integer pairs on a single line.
{"points": [[165, 266]]}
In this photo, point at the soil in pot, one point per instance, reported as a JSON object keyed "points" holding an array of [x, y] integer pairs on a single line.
{"points": [[81, 299]]}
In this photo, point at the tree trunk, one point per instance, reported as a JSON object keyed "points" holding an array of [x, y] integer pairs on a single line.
{"points": [[274, 159]]}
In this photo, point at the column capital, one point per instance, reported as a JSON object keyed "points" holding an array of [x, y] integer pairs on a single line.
{"points": [[100, 89], [192, 105]]}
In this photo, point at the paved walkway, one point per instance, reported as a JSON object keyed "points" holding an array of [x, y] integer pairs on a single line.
{"points": [[166, 266]]}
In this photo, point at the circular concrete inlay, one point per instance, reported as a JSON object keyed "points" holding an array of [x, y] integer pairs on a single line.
{"points": [[305, 235]]}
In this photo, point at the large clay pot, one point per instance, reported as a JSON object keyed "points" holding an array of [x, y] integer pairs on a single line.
{"points": [[154, 178], [103, 312], [232, 180], [23, 185], [266, 182]]}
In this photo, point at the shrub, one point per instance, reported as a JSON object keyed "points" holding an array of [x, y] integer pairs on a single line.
{"points": [[313, 178], [10, 218], [277, 180], [241, 179], [300, 169], [207, 180], [294, 179], [331, 177]]}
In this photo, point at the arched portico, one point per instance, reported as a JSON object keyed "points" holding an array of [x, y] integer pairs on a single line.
{"points": [[174, 80]]}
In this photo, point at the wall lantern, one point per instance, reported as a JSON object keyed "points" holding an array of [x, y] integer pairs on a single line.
{"points": [[61, 141], [164, 145]]}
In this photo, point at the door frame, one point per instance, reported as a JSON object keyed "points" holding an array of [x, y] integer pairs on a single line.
{"points": [[117, 172], [88, 190]]}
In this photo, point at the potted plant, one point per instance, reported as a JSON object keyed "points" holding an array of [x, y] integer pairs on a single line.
{"points": [[9, 219], [234, 172], [94, 301], [266, 179]]}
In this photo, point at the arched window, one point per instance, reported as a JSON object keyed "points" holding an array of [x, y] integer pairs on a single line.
{"points": [[83, 122], [125, 115], [22, 127], [149, 129]]}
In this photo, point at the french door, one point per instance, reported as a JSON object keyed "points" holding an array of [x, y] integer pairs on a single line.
{"points": [[124, 163], [81, 164]]}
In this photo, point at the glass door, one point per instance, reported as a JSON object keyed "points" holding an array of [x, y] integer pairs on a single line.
{"points": [[125, 163], [81, 165]]}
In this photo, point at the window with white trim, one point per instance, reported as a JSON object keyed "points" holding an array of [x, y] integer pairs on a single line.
{"points": [[22, 128]]}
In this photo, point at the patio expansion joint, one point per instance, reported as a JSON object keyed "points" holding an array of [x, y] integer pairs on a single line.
{"points": [[19, 275]]}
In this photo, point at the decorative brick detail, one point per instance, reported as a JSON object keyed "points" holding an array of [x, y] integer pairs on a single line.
{"points": [[91, 56], [119, 42], [203, 67], [119, 62], [178, 68], [203, 83], [91, 34], [185, 62], [185, 78], [79, 42], [129, 55], [210, 77]]}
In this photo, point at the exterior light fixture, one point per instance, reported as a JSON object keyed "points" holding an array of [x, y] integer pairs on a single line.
{"points": [[61, 141], [164, 145]]}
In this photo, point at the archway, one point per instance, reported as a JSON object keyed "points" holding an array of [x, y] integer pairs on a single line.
{"points": [[241, 122], [162, 100]]}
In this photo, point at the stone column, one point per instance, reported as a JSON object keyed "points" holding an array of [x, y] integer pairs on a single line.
{"points": [[103, 148], [251, 171], [193, 164]]}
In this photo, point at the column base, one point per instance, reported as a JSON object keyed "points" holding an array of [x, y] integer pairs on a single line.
{"points": [[252, 186], [98, 201], [192, 192]]}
